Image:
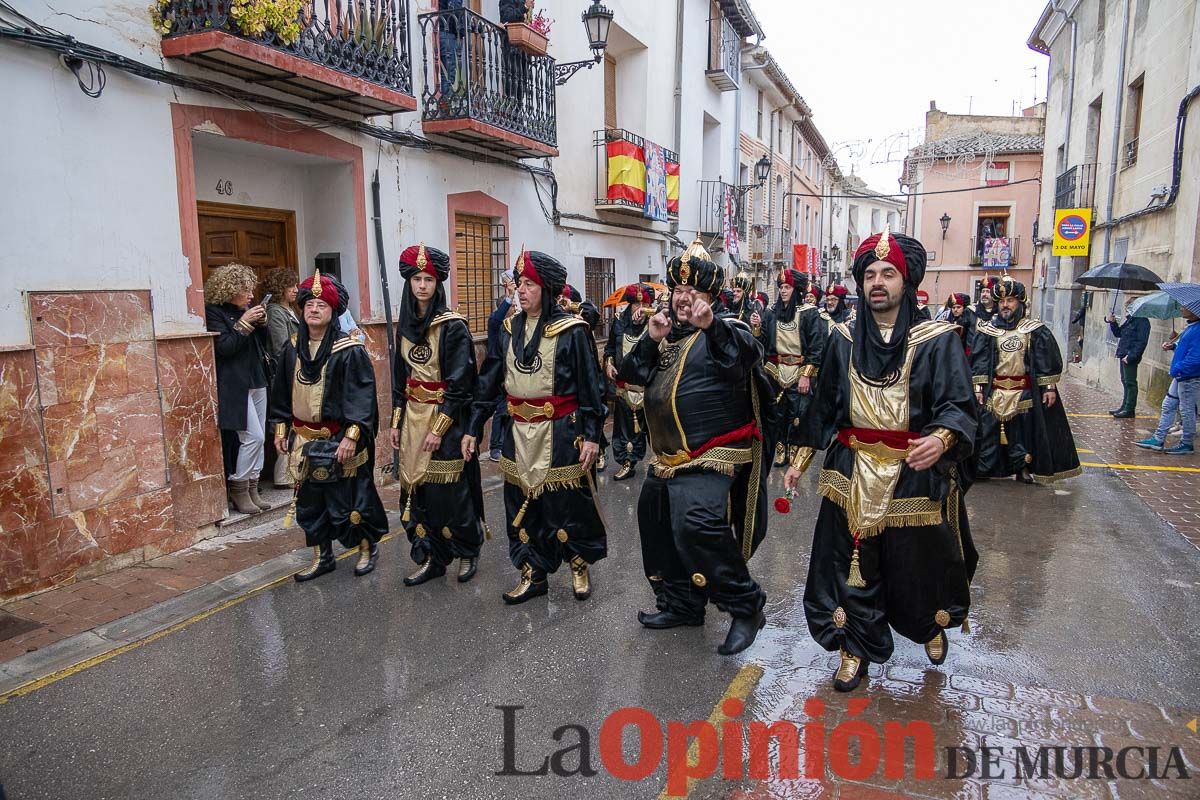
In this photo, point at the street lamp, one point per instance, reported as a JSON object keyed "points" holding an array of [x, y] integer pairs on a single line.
{"points": [[945, 220], [597, 20], [762, 170]]}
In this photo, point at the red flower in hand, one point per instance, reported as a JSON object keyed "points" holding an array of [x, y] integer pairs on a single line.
{"points": [[783, 505]]}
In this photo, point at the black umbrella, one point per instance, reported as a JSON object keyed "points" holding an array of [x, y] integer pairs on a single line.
{"points": [[1120, 276]]}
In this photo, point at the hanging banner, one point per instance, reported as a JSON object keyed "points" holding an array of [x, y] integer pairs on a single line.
{"points": [[626, 173], [655, 207], [997, 253], [1072, 231], [729, 225], [800, 260], [673, 189]]}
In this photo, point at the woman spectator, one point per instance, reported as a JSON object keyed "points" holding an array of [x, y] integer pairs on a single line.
{"points": [[282, 323], [241, 342]]}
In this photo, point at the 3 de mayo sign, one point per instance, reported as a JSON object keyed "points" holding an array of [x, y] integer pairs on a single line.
{"points": [[1072, 231]]}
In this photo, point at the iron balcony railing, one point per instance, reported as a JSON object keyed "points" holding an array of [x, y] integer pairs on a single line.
{"points": [[1076, 188], [724, 55], [620, 191], [989, 252], [713, 196], [366, 39], [472, 73]]}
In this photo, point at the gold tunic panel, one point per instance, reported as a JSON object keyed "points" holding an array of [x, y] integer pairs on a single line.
{"points": [[532, 441], [787, 343], [633, 396], [424, 363], [1011, 348]]}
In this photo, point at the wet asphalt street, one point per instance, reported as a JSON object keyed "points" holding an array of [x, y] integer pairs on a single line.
{"points": [[362, 688]]}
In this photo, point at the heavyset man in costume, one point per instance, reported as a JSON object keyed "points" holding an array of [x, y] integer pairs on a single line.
{"points": [[1016, 366], [894, 406], [433, 386], [836, 309], [702, 509], [629, 419], [795, 348], [325, 388], [546, 363]]}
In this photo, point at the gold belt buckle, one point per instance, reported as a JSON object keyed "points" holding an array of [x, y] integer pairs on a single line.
{"points": [[674, 459], [424, 395], [878, 450]]}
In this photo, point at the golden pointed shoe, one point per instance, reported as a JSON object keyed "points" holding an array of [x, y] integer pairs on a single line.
{"points": [[368, 554], [427, 572], [323, 561], [533, 584], [937, 647], [581, 582], [849, 673], [467, 568], [625, 472]]}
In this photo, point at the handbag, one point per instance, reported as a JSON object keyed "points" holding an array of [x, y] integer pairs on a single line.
{"points": [[320, 462]]}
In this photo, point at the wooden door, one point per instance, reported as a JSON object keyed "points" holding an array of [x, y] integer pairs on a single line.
{"points": [[261, 238], [474, 279]]}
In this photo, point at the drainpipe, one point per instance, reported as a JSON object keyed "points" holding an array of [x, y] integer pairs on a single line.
{"points": [[1059, 6], [1116, 144], [679, 89]]}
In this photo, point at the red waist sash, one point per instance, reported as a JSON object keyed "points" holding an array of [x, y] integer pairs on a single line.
{"points": [[895, 440], [786, 360], [428, 392], [540, 409], [323, 429]]}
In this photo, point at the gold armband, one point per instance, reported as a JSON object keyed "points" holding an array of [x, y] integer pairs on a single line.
{"points": [[802, 459], [808, 371], [280, 430], [949, 438], [353, 432], [441, 424], [397, 413]]}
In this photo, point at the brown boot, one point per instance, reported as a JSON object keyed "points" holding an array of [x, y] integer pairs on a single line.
{"points": [[239, 493], [252, 490]]}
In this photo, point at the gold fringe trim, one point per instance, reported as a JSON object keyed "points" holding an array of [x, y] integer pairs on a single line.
{"points": [[724, 460], [1058, 476], [903, 512], [1048, 380], [557, 479]]}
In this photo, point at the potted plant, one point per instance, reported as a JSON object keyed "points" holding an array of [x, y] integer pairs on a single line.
{"points": [[533, 35]]}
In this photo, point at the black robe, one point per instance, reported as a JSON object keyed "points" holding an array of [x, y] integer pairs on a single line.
{"points": [[442, 500], [550, 510], [349, 509], [1038, 438], [629, 420], [917, 556], [703, 509], [791, 407], [744, 310]]}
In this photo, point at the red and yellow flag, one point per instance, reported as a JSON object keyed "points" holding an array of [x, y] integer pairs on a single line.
{"points": [[626, 172]]}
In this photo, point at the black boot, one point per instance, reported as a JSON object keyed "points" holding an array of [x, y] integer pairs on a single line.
{"points": [[533, 584], [1124, 413], [742, 632], [323, 562], [368, 554], [849, 673], [936, 648], [427, 572], [661, 620], [467, 568]]}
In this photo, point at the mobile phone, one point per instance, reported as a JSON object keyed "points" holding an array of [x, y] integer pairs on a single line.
{"points": [[266, 299]]}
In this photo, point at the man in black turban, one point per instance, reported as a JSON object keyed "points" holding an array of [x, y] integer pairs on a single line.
{"points": [[1016, 366], [894, 407], [546, 363], [629, 420], [325, 388], [433, 386], [702, 511], [795, 347]]}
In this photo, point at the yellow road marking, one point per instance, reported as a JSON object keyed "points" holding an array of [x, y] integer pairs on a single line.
{"points": [[739, 689], [1107, 416], [1081, 450], [1146, 467], [66, 672]]}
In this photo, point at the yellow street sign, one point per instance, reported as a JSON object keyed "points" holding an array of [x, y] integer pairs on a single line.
{"points": [[1072, 231]]}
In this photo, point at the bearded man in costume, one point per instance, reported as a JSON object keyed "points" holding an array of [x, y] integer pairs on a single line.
{"points": [[546, 363], [702, 510], [629, 419], [325, 389], [433, 386], [796, 345], [892, 548], [1016, 366], [836, 309]]}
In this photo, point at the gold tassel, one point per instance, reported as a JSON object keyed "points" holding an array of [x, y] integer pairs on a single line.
{"points": [[516, 523], [966, 626], [636, 428], [487, 532], [289, 519], [1003, 435], [407, 515], [855, 579]]}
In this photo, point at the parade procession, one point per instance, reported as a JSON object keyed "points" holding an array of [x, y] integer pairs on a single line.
{"points": [[489, 399]]}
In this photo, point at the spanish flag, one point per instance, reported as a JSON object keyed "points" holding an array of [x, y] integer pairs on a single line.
{"points": [[627, 172], [673, 188]]}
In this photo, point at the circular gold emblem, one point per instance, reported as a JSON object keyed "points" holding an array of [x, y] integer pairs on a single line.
{"points": [[420, 353], [447, 533], [942, 618], [355, 517], [420, 531], [548, 410], [668, 355], [523, 536], [839, 617], [562, 535], [320, 474], [699, 580]]}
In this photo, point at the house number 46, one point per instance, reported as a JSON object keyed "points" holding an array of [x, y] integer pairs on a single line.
{"points": [[225, 187]]}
